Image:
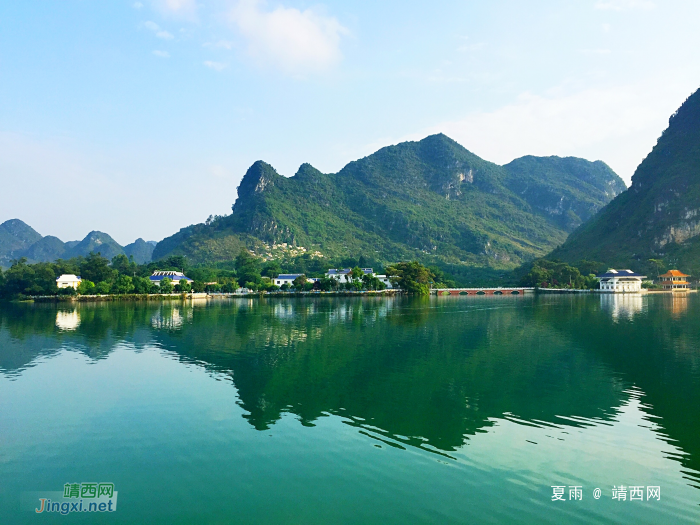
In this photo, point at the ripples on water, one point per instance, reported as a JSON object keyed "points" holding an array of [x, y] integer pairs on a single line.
{"points": [[449, 410]]}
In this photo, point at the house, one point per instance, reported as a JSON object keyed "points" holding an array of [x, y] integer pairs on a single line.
{"points": [[175, 277], [675, 281], [343, 276], [288, 278], [620, 281], [68, 280]]}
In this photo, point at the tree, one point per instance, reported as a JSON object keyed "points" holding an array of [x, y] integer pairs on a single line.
{"points": [[285, 287], [271, 269], [123, 265], [19, 279], [299, 282], [123, 285], [326, 284], [102, 288], [166, 285], [142, 285], [86, 287], [96, 268], [247, 269], [658, 265], [412, 277], [356, 273], [184, 285]]}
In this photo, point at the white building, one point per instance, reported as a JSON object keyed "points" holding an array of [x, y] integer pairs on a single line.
{"points": [[287, 278], [175, 277], [343, 276], [620, 281], [68, 280]]}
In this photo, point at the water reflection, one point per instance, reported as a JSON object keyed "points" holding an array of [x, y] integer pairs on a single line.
{"points": [[622, 306], [67, 320], [415, 373]]}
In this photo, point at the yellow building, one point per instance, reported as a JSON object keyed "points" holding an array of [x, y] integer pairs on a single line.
{"points": [[675, 281]]}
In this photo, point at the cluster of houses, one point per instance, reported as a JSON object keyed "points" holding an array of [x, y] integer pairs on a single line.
{"points": [[627, 281], [342, 276], [612, 281]]}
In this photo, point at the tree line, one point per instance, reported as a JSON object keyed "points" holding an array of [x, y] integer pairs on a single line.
{"points": [[121, 275]]}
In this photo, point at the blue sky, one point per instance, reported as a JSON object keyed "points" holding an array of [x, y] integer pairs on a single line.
{"points": [[139, 118]]}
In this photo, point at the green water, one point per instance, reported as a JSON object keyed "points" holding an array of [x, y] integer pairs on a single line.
{"points": [[345, 410]]}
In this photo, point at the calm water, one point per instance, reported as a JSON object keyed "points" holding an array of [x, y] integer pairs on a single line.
{"points": [[447, 410]]}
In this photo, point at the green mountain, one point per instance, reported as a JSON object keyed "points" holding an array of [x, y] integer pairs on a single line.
{"points": [[430, 200], [15, 237], [46, 249], [658, 217], [567, 190], [140, 250], [97, 242]]}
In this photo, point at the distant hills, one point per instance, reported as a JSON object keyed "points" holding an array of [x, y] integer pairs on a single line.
{"points": [[18, 239], [431, 200], [658, 217]]}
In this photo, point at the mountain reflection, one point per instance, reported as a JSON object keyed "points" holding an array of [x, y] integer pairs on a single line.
{"points": [[418, 372]]}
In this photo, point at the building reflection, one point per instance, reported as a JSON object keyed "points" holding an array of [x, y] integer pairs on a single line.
{"points": [[623, 305], [67, 320], [678, 304]]}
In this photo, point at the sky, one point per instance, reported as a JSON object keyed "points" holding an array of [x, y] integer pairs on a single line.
{"points": [[138, 118]]}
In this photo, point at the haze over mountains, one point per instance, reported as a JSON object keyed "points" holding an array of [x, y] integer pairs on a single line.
{"points": [[659, 215], [431, 200], [18, 239]]}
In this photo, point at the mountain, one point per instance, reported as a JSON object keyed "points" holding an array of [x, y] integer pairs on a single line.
{"points": [[431, 200], [659, 215], [567, 190], [140, 250], [46, 249], [97, 242], [15, 237]]}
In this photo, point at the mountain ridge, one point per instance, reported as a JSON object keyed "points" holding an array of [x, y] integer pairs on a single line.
{"points": [[430, 200], [17, 239], [658, 217]]}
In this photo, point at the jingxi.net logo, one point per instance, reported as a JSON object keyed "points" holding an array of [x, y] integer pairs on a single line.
{"points": [[76, 497]]}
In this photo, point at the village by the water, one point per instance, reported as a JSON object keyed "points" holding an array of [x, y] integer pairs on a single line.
{"points": [[364, 280]]}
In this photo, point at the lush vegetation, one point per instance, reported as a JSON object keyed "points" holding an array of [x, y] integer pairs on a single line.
{"points": [[431, 201], [122, 276], [658, 218], [544, 273]]}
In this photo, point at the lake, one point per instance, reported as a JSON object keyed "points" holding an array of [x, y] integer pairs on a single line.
{"points": [[355, 410]]}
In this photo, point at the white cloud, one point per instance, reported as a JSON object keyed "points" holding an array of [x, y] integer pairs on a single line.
{"points": [[218, 66], [186, 9], [138, 5], [293, 40], [160, 33], [220, 44], [623, 5], [161, 54]]}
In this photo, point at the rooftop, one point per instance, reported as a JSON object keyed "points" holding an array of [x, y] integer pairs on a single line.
{"points": [[612, 273], [674, 273]]}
